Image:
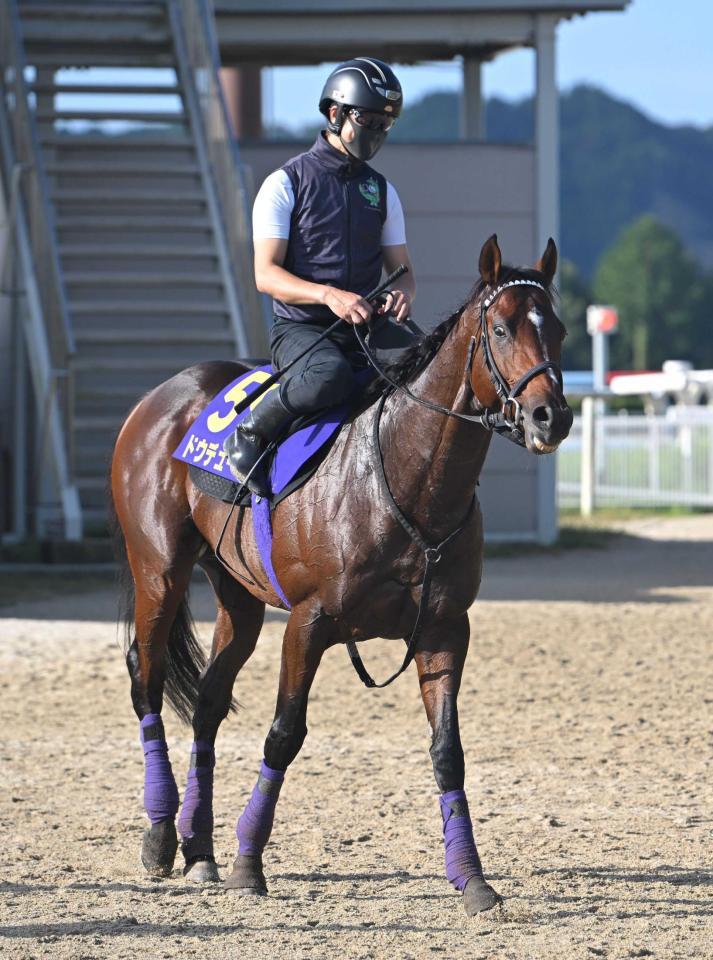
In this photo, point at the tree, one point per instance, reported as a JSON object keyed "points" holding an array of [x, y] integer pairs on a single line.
{"points": [[575, 296], [658, 289]]}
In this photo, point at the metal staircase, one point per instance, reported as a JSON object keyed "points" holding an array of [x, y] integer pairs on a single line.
{"points": [[147, 201]]}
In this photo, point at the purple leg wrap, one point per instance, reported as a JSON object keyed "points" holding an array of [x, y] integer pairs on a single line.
{"points": [[160, 790], [255, 823], [197, 810], [462, 860]]}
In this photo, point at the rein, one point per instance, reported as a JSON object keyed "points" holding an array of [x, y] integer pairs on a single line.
{"points": [[497, 422], [432, 555]]}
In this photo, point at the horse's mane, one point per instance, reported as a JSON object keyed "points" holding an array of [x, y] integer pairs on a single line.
{"points": [[417, 357]]}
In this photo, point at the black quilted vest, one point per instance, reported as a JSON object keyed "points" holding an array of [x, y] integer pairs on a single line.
{"points": [[335, 230]]}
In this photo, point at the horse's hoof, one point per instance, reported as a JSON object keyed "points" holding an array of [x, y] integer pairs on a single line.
{"points": [[201, 871], [247, 878], [479, 896], [158, 850]]}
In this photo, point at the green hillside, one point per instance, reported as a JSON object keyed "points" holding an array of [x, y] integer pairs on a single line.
{"points": [[616, 164]]}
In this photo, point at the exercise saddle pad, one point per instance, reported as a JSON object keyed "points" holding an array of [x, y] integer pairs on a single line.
{"points": [[202, 446]]}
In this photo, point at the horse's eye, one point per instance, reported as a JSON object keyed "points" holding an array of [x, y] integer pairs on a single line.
{"points": [[499, 330]]}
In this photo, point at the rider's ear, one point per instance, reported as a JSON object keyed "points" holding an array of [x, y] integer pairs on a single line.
{"points": [[547, 264], [490, 261]]}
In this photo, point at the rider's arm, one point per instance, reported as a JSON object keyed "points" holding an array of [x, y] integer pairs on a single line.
{"points": [[272, 278], [395, 252], [404, 291]]}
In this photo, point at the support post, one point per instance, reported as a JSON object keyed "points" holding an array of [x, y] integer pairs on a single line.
{"points": [[600, 372], [588, 476], [547, 525], [546, 132], [242, 88], [20, 400], [472, 114]]}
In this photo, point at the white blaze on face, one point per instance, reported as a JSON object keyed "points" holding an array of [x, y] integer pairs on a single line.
{"points": [[536, 318]]}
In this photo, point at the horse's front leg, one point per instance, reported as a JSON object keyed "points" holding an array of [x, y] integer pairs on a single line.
{"points": [[302, 649], [440, 660]]}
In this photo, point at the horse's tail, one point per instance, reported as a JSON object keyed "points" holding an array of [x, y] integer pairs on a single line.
{"points": [[185, 660]]}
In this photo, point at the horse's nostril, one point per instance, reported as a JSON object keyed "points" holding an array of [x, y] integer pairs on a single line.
{"points": [[542, 415]]}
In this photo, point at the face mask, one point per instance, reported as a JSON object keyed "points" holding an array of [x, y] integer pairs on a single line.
{"points": [[370, 129], [365, 142]]}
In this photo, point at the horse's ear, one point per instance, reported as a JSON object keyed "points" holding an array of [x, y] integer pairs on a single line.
{"points": [[490, 261], [547, 264]]}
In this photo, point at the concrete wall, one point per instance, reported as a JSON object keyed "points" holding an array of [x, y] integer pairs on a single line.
{"points": [[455, 196]]}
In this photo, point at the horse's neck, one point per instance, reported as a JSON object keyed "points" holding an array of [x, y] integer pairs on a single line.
{"points": [[433, 461]]}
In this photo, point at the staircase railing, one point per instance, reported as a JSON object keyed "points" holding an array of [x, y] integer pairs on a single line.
{"points": [[195, 33], [48, 332]]}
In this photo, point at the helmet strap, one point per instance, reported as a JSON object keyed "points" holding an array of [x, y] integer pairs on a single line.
{"points": [[336, 127]]}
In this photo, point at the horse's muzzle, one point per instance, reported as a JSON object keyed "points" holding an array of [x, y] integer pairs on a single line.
{"points": [[546, 426]]}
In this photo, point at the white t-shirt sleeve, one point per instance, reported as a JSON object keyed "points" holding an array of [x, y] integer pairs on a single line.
{"points": [[394, 230], [273, 207]]}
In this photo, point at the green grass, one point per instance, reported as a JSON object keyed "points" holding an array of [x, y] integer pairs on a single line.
{"points": [[608, 516], [571, 537], [589, 533]]}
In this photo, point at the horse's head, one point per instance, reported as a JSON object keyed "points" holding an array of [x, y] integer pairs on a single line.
{"points": [[519, 343]]}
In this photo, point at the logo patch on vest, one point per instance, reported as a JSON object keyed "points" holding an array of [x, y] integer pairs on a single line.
{"points": [[369, 189]]}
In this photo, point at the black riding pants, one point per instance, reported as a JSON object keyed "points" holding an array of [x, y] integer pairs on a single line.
{"points": [[323, 378]]}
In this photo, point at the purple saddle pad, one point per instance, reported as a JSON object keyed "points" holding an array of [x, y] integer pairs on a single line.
{"points": [[202, 446]]}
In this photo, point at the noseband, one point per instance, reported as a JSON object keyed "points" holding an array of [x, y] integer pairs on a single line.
{"points": [[508, 420]]}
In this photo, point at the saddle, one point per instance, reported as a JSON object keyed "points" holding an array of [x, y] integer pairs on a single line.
{"points": [[306, 444]]}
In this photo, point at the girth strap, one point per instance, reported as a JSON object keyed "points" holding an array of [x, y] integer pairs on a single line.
{"points": [[432, 556]]}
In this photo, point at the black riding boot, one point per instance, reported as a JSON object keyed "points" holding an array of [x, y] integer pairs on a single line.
{"points": [[263, 424]]}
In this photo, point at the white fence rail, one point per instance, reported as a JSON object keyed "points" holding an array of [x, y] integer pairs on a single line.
{"points": [[640, 461]]}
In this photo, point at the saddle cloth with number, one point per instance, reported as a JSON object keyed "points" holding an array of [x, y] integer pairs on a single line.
{"points": [[296, 458]]}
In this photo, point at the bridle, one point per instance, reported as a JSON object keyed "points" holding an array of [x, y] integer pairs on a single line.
{"points": [[509, 426], [508, 420]]}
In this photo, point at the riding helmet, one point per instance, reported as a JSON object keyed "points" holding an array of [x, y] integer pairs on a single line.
{"points": [[367, 84], [363, 82]]}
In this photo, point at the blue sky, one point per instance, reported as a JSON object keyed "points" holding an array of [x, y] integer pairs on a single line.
{"points": [[657, 55]]}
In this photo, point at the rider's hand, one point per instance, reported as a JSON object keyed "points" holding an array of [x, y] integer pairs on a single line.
{"points": [[397, 302], [348, 306]]}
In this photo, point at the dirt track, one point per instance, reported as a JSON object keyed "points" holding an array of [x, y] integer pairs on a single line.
{"points": [[587, 719]]}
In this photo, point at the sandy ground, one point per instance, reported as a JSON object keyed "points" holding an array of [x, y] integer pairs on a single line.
{"points": [[587, 719]]}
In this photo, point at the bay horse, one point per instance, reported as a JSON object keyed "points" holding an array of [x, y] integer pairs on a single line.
{"points": [[349, 568]]}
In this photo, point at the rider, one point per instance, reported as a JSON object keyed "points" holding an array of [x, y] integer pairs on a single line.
{"points": [[324, 226]]}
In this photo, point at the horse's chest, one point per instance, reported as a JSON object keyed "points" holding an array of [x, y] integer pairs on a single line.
{"points": [[385, 603]]}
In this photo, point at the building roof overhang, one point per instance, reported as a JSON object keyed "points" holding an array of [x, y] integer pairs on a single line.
{"points": [[282, 32]]}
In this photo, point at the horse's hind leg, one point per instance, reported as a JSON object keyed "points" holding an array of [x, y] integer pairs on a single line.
{"points": [[302, 649], [237, 627], [163, 644]]}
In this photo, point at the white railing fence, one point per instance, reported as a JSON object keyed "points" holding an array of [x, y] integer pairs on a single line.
{"points": [[638, 461]]}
